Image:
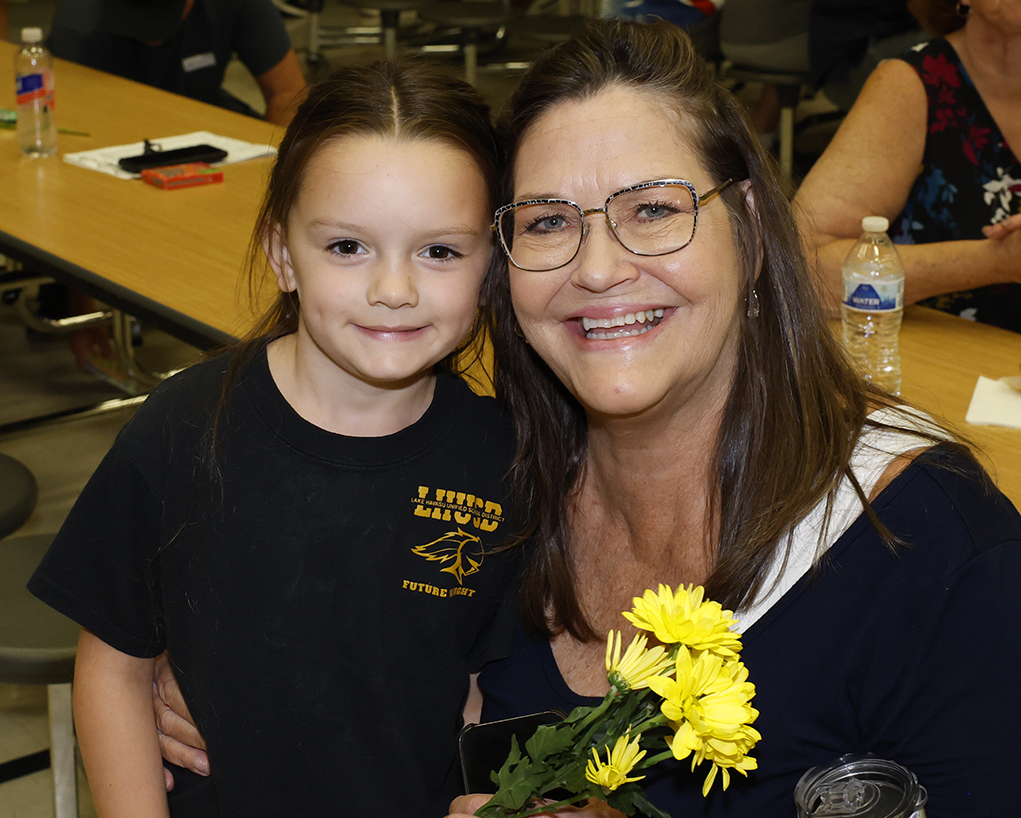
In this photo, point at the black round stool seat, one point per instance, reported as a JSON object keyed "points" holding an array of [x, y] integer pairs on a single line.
{"points": [[748, 73], [389, 18], [470, 14], [37, 644], [18, 494], [385, 5], [547, 29]]}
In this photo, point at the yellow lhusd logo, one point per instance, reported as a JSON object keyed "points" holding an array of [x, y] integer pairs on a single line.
{"points": [[462, 550]]}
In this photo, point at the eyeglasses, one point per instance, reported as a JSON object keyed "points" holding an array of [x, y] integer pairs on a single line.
{"points": [[650, 219]]}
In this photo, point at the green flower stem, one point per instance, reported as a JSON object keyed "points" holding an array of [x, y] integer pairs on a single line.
{"points": [[619, 720], [651, 723], [598, 710], [629, 705], [557, 805], [592, 720], [649, 762]]}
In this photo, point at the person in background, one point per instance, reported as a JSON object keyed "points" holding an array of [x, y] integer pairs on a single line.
{"points": [[184, 46], [847, 40], [836, 43], [931, 144], [700, 19], [181, 46]]}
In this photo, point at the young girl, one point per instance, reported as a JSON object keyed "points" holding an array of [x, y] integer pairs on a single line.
{"points": [[307, 524]]}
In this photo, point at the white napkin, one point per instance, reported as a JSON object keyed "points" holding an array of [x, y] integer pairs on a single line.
{"points": [[996, 403], [105, 159]]}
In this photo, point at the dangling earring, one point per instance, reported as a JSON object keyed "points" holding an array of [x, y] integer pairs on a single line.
{"points": [[962, 10], [518, 332], [753, 304]]}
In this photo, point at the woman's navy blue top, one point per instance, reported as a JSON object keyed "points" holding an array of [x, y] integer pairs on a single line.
{"points": [[913, 656]]}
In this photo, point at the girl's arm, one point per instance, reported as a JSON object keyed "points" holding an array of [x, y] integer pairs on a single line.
{"points": [[868, 170], [116, 733]]}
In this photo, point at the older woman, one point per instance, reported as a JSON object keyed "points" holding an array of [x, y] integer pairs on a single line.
{"points": [[684, 416], [931, 144]]}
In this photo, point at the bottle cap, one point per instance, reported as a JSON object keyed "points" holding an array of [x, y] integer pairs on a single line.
{"points": [[31, 35], [875, 224]]}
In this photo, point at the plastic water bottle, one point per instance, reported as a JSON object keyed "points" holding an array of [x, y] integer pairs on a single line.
{"points": [[873, 304], [33, 74]]}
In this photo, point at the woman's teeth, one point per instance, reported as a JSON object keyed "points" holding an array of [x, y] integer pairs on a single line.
{"points": [[621, 326]]}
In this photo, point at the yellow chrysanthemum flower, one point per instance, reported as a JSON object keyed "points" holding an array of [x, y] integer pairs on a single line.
{"points": [[633, 671], [619, 762], [684, 617], [708, 704]]}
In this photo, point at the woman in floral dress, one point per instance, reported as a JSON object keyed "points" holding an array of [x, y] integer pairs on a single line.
{"points": [[929, 145]]}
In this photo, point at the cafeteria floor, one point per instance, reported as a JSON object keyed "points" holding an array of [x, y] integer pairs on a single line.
{"points": [[38, 376]]}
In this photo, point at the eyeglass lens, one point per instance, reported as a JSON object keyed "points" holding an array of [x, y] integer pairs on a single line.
{"points": [[650, 221]]}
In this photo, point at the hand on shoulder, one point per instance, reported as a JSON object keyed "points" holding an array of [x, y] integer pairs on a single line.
{"points": [[180, 741]]}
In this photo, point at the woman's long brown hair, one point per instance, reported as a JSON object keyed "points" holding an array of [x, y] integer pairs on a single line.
{"points": [[796, 408]]}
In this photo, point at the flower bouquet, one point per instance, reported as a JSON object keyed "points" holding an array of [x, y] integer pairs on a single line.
{"points": [[687, 697]]}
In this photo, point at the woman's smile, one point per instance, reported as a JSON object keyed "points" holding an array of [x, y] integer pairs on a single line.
{"points": [[630, 325]]}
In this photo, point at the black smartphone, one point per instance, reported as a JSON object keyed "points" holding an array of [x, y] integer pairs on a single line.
{"points": [[485, 747], [176, 156]]}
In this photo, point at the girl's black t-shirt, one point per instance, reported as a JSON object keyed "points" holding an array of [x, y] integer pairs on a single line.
{"points": [[323, 604]]}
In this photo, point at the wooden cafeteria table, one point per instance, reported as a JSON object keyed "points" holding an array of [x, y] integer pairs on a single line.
{"points": [[169, 257], [941, 358], [173, 257]]}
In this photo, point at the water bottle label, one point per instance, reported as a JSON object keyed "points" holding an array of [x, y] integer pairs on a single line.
{"points": [[875, 296], [32, 87]]}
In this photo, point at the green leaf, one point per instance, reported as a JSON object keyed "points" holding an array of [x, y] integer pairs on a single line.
{"points": [[550, 739], [513, 780], [631, 798], [622, 799], [575, 779]]}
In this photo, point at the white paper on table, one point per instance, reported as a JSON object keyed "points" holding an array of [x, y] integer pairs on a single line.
{"points": [[105, 159], [996, 403]]}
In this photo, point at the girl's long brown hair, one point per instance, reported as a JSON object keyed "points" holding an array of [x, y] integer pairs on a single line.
{"points": [[413, 100]]}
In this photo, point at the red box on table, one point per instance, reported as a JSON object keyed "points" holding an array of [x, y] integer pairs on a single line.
{"points": [[189, 175]]}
